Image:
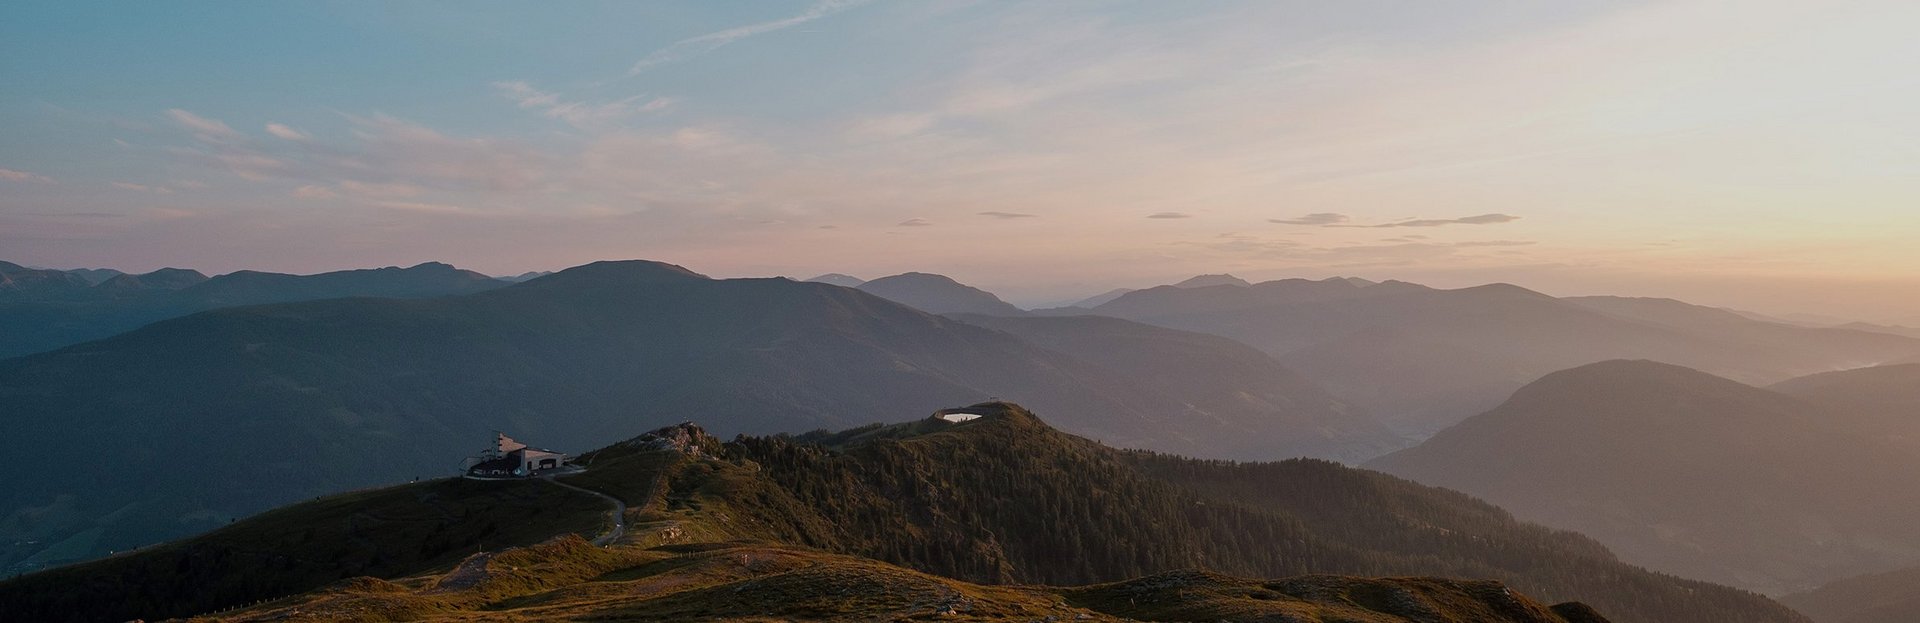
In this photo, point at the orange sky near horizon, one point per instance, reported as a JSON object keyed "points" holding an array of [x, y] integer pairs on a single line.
{"points": [[1759, 155]]}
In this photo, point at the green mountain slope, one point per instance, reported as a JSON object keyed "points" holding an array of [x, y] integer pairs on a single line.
{"points": [[763, 527]]}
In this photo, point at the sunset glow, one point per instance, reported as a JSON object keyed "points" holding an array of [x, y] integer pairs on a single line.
{"points": [[1750, 154]]}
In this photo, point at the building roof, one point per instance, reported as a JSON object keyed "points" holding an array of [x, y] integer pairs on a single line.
{"points": [[500, 464]]}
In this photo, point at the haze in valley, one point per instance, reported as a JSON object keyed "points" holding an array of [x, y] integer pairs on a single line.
{"points": [[1586, 311]]}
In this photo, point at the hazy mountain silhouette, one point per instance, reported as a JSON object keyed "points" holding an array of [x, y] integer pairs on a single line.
{"points": [[189, 421], [1882, 328], [21, 283], [1882, 402], [1686, 472], [938, 294], [1204, 281], [526, 276], [845, 281], [996, 500], [249, 287], [1838, 344], [68, 314], [162, 279], [1421, 358], [93, 275], [1891, 597], [1223, 386], [1199, 281], [1101, 298]]}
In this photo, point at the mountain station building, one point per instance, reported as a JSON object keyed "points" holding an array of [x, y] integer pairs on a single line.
{"points": [[512, 459]]}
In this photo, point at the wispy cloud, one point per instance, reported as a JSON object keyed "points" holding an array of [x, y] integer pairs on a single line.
{"points": [[1007, 215], [689, 48], [1483, 219], [421, 206], [1331, 219], [390, 148], [204, 129], [915, 222], [380, 190], [581, 114], [23, 176], [1169, 215], [286, 132], [312, 191], [1495, 243], [158, 190], [1317, 218]]}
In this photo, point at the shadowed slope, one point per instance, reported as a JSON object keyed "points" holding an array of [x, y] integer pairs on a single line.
{"points": [[745, 529], [1892, 597], [1685, 472], [190, 422], [1882, 402], [1245, 404]]}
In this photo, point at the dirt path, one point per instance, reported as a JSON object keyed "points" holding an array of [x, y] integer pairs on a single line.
{"points": [[619, 513], [467, 575]]}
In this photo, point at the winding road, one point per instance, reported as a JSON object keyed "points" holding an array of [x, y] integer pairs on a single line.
{"points": [[619, 513]]}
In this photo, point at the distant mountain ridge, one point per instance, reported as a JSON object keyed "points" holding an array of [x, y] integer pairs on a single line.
{"points": [[1687, 473], [93, 275], [162, 279], [1198, 281], [1207, 375], [938, 294], [1421, 358], [1101, 298], [63, 311], [1207, 281], [526, 276], [845, 281], [18, 281], [1891, 597], [1882, 402]]}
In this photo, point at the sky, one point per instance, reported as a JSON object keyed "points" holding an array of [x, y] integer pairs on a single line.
{"points": [[1759, 154]]}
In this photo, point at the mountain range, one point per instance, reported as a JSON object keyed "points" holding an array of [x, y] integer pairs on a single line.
{"points": [[1694, 474], [1421, 359], [1000, 517], [1192, 282], [64, 309], [1882, 402], [938, 294], [1890, 597], [1207, 375], [200, 400], [189, 422], [845, 281]]}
